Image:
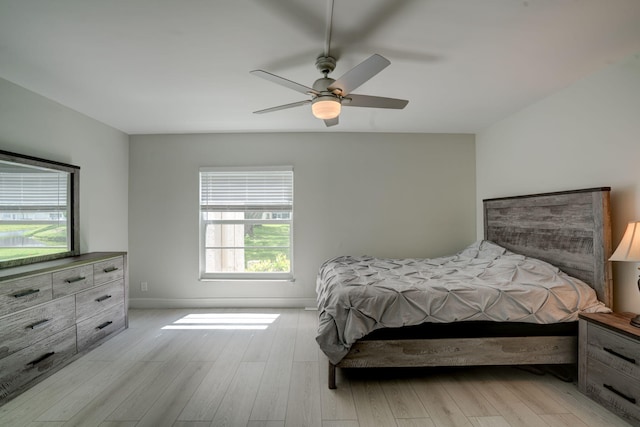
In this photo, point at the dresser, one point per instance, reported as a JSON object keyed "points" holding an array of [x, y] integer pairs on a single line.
{"points": [[609, 363], [54, 311]]}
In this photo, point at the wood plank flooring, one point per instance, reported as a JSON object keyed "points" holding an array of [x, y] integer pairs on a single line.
{"points": [[195, 368]]}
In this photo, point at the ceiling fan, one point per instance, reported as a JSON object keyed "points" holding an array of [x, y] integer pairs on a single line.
{"points": [[327, 96]]}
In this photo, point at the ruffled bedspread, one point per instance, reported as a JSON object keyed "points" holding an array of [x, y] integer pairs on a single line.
{"points": [[357, 295]]}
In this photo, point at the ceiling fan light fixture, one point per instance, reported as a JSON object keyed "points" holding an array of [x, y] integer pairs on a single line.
{"points": [[326, 107]]}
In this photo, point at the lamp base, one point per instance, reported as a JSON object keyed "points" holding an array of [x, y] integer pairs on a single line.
{"points": [[635, 321]]}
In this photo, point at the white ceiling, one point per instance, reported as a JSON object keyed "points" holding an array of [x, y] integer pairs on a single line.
{"points": [[182, 66]]}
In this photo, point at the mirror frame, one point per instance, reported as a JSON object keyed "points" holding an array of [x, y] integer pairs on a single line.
{"points": [[74, 197]]}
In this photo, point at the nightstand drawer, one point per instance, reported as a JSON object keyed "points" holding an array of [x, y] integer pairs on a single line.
{"points": [[24, 366], [614, 390], [95, 328], [24, 293], [108, 271], [67, 282], [22, 329], [614, 350]]}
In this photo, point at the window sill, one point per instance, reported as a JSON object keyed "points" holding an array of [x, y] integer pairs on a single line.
{"points": [[246, 279]]}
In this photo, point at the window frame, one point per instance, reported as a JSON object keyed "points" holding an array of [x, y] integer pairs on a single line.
{"points": [[202, 248]]}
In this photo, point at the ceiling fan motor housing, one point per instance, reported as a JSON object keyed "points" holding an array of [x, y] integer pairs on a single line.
{"points": [[321, 85], [325, 64]]}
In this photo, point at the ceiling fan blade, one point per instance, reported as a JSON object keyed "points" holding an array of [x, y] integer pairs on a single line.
{"points": [[284, 82], [359, 74], [283, 107], [354, 100], [331, 122]]}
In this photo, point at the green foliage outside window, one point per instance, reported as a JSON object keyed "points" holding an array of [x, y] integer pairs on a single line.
{"points": [[264, 248]]}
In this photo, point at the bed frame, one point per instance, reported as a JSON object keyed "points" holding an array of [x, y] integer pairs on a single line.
{"points": [[569, 229]]}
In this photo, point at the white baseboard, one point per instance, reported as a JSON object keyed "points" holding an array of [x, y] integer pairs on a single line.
{"points": [[222, 302]]}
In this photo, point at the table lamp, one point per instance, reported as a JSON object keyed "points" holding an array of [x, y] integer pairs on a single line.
{"points": [[629, 250]]}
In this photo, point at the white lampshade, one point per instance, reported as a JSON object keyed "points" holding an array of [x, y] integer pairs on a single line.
{"points": [[326, 107], [629, 247]]}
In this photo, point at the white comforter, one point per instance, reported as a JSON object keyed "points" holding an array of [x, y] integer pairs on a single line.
{"points": [[357, 295]]}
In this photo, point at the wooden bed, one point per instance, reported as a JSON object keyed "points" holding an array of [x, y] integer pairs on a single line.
{"points": [[569, 229]]}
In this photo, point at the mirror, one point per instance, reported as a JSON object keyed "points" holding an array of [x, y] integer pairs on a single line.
{"points": [[39, 210]]}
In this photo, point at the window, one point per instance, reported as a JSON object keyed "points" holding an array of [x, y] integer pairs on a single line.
{"points": [[246, 223]]}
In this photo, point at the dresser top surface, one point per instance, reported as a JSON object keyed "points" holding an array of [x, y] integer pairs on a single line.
{"points": [[57, 264]]}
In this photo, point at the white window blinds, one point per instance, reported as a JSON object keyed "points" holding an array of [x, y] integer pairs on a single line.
{"points": [[224, 189], [31, 191]]}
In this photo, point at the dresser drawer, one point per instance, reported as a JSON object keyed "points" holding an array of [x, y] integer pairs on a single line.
{"points": [[614, 390], [20, 330], [95, 328], [108, 271], [72, 280], [95, 300], [24, 293], [620, 353], [25, 365]]}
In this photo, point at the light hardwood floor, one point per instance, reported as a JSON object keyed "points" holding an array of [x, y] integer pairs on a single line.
{"points": [[273, 377]]}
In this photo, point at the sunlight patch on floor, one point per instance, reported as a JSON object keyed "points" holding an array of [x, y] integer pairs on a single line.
{"points": [[252, 321]]}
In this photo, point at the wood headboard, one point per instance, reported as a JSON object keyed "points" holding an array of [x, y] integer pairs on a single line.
{"points": [[569, 229]]}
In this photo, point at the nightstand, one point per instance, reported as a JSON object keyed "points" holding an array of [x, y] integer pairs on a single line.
{"points": [[609, 363]]}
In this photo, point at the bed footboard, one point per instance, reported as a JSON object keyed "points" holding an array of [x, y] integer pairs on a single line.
{"points": [[530, 350]]}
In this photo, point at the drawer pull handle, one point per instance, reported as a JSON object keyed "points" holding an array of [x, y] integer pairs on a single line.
{"points": [[75, 279], [110, 269], [41, 358], [102, 298], [26, 293], [40, 323], [104, 325], [621, 356], [619, 393]]}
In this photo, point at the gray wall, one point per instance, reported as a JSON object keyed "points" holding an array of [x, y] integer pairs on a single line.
{"points": [[587, 135], [33, 125], [396, 195]]}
